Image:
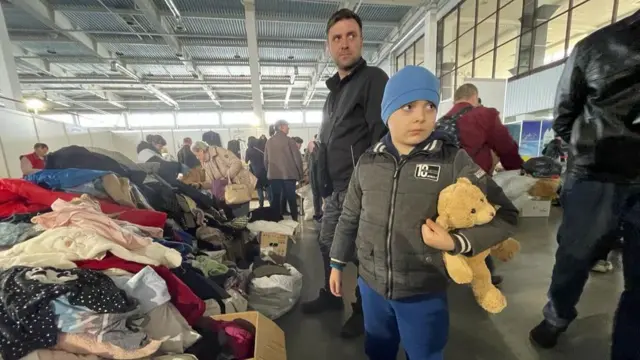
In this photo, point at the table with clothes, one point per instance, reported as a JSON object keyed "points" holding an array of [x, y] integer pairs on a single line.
{"points": [[92, 268]]}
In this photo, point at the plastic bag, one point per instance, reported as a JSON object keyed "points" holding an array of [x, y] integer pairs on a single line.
{"points": [[275, 295], [306, 194], [513, 184], [542, 167]]}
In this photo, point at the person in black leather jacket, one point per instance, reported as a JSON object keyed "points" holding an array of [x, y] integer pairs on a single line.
{"points": [[598, 113]]}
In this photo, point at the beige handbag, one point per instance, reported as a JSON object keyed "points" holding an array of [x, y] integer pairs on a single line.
{"points": [[235, 194]]}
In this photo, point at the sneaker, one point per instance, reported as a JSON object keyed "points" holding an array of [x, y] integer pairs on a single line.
{"points": [[545, 335], [496, 280], [354, 326], [602, 266], [324, 302]]}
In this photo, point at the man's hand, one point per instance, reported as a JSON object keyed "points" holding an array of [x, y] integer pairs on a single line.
{"points": [[436, 236], [335, 282]]}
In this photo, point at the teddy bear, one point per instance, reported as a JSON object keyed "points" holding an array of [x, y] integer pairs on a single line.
{"points": [[463, 205]]}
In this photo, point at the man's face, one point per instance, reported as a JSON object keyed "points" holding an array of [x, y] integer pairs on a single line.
{"points": [[345, 43], [299, 146], [41, 152], [413, 123], [284, 129]]}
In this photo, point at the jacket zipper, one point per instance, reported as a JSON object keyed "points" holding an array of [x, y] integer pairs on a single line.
{"points": [[394, 189]]}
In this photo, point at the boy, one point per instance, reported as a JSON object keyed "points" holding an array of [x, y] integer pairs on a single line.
{"points": [[394, 189]]}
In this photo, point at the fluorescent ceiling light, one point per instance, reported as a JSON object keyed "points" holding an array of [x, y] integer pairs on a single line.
{"points": [[34, 104]]}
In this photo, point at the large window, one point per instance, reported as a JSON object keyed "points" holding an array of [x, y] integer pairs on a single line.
{"points": [[412, 55], [63, 118], [150, 120], [504, 38], [292, 117], [190, 119], [240, 118], [313, 117]]}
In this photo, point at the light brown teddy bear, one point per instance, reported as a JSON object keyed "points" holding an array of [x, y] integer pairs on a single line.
{"points": [[463, 205]]}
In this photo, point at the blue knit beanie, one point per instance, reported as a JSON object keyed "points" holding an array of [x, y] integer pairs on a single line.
{"points": [[410, 84]]}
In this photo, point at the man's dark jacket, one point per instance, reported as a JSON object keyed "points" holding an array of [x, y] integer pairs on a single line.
{"points": [[187, 157], [598, 103], [351, 121]]}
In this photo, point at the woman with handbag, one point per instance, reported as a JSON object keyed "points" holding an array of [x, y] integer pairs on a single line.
{"points": [[226, 176]]}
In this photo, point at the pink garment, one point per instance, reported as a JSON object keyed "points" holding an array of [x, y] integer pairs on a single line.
{"points": [[85, 213]]}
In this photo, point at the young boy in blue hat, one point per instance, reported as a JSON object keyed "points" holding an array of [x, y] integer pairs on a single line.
{"points": [[387, 216]]}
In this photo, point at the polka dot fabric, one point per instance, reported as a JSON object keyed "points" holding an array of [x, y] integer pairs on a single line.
{"points": [[27, 319]]}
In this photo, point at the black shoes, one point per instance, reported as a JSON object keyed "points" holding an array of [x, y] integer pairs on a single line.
{"points": [[324, 302], [545, 335], [354, 326]]}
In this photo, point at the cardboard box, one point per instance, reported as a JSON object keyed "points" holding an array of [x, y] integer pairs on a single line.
{"points": [[529, 207], [275, 242], [269, 342]]}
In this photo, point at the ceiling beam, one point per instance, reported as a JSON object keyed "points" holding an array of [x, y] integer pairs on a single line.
{"points": [[160, 24], [44, 66], [56, 20], [167, 61], [289, 43], [186, 15], [254, 58]]}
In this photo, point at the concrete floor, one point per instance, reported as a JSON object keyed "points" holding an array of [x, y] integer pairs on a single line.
{"points": [[474, 334]]}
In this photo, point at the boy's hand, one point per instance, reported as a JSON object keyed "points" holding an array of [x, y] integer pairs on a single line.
{"points": [[335, 282], [436, 236]]}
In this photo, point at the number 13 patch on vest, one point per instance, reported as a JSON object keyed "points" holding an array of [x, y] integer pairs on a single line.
{"points": [[427, 172]]}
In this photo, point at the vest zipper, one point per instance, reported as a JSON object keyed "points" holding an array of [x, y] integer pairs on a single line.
{"points": [[392, 205]]}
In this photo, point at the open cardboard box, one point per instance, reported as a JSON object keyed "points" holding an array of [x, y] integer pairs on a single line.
{"points": [[269, 343]]}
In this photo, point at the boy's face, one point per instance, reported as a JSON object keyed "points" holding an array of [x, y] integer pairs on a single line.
{"points": [[413, 123]]}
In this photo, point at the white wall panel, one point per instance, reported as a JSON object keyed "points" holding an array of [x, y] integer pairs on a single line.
{"points": [[102, 139], [532, 93], [125, 142], [18, 136], [78, 135], [51, 133]]}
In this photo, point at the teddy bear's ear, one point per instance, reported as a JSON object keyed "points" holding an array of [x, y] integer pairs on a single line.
{"points": [[464, 180], [443, 220]]}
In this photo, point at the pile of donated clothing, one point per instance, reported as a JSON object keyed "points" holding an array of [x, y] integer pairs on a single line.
{"points": [[103, 258]]}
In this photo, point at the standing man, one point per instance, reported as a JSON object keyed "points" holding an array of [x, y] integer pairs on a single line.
{"points": [[283, 161], [351, 123], [597, 112], [34, 161], [186, 156]]}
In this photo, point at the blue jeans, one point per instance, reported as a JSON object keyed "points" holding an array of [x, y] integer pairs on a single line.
{"points": [[593, 210], [421, 322], [285, 190]]}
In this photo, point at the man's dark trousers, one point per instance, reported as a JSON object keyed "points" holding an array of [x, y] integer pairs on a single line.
{"points": [[284, 191], [591, 211], [332, 211]]}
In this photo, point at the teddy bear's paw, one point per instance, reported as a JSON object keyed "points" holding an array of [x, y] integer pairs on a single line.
{"points": [[492, 301], [458, 268], [506, 250]]}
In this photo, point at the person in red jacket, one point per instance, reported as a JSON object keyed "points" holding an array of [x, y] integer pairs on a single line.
{"points": [[481, 131], [33, 162], [483, 136]]}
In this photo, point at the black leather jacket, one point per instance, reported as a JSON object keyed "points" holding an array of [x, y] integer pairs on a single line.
{"points": [[597, 107]]}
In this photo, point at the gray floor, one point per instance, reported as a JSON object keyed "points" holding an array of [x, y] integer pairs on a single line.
{"points": [[474, 334]]}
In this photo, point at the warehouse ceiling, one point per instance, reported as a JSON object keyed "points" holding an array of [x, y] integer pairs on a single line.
{"points": [[119, 55]]}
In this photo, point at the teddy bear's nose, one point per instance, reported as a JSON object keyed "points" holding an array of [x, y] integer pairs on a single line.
{"points": [[493, 214]]}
